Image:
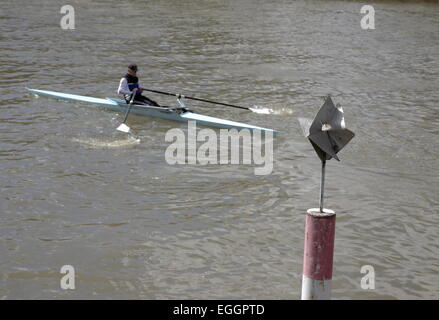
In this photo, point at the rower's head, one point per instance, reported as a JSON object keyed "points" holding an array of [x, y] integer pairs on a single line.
{"points": [[132, 69]]}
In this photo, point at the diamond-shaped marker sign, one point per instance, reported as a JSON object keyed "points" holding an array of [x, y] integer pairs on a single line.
{"points": [[327, 134]]}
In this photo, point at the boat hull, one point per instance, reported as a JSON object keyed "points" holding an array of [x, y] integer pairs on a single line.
{"points": [[163, 113]]}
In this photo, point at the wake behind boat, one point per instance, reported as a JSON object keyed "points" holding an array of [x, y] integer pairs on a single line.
{"points": [[176, 114]]}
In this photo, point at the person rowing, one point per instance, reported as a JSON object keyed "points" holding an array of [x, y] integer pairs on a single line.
{"points": [[129, 86]]}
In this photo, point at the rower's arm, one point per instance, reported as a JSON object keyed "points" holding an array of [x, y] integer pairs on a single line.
{"points": [[123, 87]]}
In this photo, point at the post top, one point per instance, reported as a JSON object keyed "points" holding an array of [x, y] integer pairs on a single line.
{"points": [[316, 212]]}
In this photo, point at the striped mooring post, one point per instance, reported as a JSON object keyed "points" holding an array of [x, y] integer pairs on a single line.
{"points": [[328, 135], [318, 254]]}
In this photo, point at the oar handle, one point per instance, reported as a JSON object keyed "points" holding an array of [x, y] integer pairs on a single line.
{"points": [[197, 99]]}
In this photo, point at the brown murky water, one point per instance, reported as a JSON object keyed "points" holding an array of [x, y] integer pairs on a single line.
{"points": [[73, 191]]}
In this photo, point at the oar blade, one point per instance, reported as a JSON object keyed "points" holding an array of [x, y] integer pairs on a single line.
{"points": [[123, 128]]}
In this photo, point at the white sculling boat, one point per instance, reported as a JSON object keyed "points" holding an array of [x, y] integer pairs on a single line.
{"points": [[175, 114]]}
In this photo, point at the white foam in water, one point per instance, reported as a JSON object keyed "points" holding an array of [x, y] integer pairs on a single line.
{"points": [[101, 144], [275, 111], [261, 110], [283, 111]]}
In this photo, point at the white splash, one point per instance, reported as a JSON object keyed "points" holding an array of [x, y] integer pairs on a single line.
{"points": [[261, 110], [102, 144]]}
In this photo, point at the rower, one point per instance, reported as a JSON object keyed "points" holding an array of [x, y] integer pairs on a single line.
{"points": [[129, 86]]}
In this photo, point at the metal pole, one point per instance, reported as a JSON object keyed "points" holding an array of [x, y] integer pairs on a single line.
{"points": [[322, 185], [318, 254]]}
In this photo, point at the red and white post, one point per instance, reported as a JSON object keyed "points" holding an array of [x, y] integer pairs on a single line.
{"points": [[318, 255]]}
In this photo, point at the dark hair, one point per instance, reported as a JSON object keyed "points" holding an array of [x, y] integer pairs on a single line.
{"points": [[133, 67]]}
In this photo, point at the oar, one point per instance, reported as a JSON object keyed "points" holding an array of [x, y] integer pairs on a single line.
{"points": [[123, 127], [198, 99]]}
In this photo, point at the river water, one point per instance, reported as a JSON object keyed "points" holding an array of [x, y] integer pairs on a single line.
{"points": [[76, 192]]}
